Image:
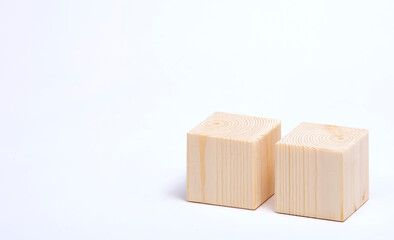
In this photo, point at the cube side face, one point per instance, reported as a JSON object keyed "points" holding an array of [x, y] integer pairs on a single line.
{"points": [[221, 171], [308, 182], [329, 185], [356, 176], [265, 151]]}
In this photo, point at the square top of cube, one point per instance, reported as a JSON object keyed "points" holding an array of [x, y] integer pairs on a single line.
{"points": [[321, 136], [234, 126]]}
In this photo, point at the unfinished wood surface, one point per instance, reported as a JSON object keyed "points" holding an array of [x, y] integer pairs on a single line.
{"points": [[230, 160], [322, 171]]}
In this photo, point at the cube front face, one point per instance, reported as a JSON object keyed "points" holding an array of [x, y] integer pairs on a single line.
{"points": [[321, 171], [235, 172], [308, 182], [220, 171]]}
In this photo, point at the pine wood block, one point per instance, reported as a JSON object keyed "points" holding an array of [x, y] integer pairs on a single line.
{"points": [[230, 160], [321, 171]]}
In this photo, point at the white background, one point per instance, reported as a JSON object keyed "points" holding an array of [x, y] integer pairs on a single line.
{"points": [[96, 99]]}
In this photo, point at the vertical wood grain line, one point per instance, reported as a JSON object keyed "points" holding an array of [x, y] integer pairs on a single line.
{"points": [[221, 168], [217, 170], [288, 186], [188, 168], [255, 165], [315, 182], [342, 195], [303, 177], [232, 173], [203, 144]]}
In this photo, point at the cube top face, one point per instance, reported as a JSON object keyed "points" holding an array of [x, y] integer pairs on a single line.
{"points": [[234, 126], [323, 137]]}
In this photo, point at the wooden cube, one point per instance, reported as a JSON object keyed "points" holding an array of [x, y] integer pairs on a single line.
{"points": [[230, 160], [321, 171]]}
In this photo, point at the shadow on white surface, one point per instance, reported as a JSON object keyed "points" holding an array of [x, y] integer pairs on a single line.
{"points": [[178, 188], [268, 205]]}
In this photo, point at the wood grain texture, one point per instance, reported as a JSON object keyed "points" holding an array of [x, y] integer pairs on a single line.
{"points": [[230, 160], [322, 171]]}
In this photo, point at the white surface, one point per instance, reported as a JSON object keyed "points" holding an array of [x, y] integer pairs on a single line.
{"points": [[96, 99]]}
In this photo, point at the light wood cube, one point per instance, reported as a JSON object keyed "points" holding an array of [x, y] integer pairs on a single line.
{"points": [[230, 160], [321, 171]]}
